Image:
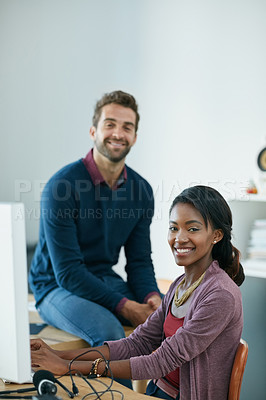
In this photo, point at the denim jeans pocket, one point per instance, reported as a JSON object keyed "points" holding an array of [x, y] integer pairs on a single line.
{"points": [[151, 388], [154, 391]]}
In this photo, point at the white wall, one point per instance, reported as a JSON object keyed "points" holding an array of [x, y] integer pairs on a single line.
{"points": [[203, 100], [197, 69]]}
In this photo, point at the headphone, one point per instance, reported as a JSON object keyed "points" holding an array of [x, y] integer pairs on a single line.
{"points": [[44, 382]]}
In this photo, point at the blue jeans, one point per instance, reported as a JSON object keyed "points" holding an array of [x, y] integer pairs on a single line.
{"points": [[154, 391], [84, 318]]}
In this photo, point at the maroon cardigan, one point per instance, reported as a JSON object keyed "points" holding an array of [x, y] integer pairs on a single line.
{"points": [[204, 348]]}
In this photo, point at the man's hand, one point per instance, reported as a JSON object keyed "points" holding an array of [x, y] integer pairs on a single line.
{"points": [[135, 312], [154, 301]]}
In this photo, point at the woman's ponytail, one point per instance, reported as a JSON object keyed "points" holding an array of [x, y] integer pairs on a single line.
{"points": [[228, 257]]}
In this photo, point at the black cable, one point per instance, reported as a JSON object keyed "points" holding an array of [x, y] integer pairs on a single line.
{"points": [[108, 388], [78, 356], [101, 392], [111, 392], [89, 380], [18, 391], [69, 370], [92, 388], [15, 397]]}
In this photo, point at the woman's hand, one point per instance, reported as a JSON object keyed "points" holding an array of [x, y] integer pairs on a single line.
{"points": [[44, 357], [37, 344]]}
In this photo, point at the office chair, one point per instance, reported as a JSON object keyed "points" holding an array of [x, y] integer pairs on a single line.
{"points": [[238, 370]]}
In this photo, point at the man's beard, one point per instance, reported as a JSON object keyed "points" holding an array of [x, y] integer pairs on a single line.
{"points": [[103, 149]]}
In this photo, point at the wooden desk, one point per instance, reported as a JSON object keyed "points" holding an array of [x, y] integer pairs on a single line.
{"points": [[84, 389]]}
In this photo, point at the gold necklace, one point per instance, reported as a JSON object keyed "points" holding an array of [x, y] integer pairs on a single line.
{"points": [[188, 292]]}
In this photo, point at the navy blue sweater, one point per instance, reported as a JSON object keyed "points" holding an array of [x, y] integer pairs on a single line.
{"points": [[82, 229]]}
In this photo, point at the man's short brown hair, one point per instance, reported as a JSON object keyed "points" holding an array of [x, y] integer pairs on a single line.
{"points": [[116, 97]]}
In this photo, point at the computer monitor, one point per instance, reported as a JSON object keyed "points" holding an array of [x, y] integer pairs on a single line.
{"points": [[15, 364]]}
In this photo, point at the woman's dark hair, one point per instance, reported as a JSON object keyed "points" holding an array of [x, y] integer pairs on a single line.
{"points": [[117, 97], [215, 210]]}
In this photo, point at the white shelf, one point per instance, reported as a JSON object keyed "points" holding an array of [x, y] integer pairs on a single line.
{"points": [[248, 197], [245, 212]]}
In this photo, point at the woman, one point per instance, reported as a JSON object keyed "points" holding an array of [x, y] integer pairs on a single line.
{"points": [[187, 346]]}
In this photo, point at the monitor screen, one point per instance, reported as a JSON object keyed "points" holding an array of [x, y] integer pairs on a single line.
{"points": [[15, 365]]}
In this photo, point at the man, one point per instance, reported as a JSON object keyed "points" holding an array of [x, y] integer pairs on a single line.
{"points": [[90, 209]]}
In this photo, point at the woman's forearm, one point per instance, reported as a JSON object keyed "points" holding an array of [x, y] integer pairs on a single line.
{"points": [[82, 360], [117, 369], [120, 369], [86, 354]]}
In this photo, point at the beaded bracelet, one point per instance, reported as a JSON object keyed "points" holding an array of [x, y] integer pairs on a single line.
{"points": [[105, 372], [94, 369]]}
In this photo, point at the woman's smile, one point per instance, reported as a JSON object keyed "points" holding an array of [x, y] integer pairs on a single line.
{"points": [[183, 251]]}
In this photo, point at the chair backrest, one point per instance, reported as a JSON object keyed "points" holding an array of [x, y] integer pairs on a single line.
{"points": [[238, 370]]}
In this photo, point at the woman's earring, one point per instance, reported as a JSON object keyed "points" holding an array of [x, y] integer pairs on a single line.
{"points": [[214, 241]]}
